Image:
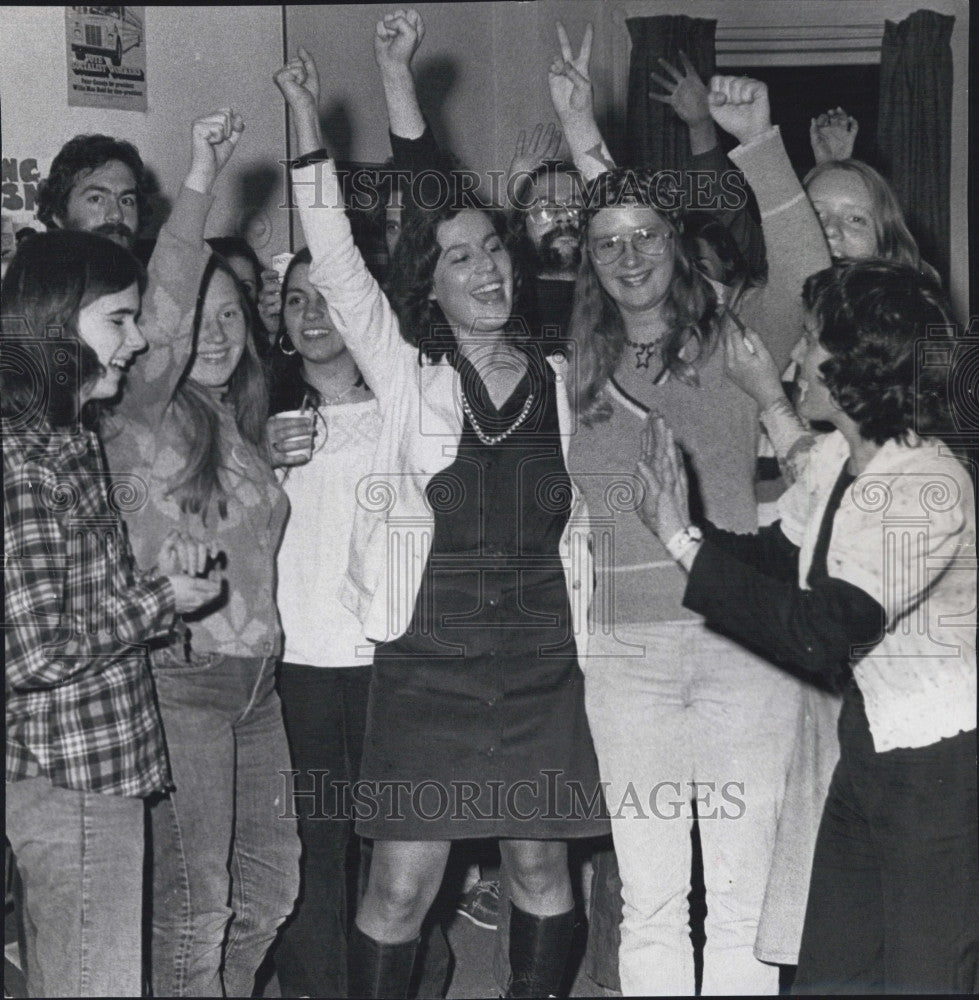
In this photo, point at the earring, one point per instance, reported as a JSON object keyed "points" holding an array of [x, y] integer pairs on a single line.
{"points": [[283, 340]]}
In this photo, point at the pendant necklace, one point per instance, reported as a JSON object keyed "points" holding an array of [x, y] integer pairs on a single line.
{"points": [[644, 350]]}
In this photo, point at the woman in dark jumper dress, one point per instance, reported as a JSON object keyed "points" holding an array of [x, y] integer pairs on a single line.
{"points": [[468, 567]]}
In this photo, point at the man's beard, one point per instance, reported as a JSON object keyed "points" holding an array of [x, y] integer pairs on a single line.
{"points": [[552, 258], [117, 231]]}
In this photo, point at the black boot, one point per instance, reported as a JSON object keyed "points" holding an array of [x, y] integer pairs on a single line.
{"points": [[539, 949], [378, 970]]}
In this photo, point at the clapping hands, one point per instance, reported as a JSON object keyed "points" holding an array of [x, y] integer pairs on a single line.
{"points": [[184, 561]]}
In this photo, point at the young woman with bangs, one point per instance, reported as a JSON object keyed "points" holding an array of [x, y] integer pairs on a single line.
{"points": [[85, 744], [225, 850]]}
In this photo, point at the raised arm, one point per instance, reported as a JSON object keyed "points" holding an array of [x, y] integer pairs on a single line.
{"points": [[571, 95], [832, 135], [794, 241], [175, 272], [357, 306], [687, 95], [396, 40]]}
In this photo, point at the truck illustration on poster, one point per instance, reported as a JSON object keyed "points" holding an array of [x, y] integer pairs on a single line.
{"points": [[106, 56]]}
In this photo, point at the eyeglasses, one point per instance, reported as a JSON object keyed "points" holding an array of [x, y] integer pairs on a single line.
{"points": [[548, 211], [648, 242]]}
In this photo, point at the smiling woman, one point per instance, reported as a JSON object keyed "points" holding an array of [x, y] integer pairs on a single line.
{"points": [[467, 569], [193, 430]]}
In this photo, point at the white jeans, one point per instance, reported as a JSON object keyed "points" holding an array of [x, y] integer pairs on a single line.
{"points": [[693, 715]]}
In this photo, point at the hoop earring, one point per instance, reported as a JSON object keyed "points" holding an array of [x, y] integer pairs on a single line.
{"points": [[283, 340]]}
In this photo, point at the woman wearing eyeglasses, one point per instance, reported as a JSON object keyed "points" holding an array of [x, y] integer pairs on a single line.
{"points": [[682, 718]]}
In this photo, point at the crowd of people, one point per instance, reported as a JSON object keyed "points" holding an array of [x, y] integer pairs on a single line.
{"points": [[310, 577]]}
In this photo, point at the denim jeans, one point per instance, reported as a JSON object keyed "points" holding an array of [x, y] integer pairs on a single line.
{"points": [[325, 712], [695, 716], [80, 856], [225, 848], [894, 896]]}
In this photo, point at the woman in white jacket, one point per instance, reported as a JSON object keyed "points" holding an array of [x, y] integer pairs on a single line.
{"points": [[468, 568]]}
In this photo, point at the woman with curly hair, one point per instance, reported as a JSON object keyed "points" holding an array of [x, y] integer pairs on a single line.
{"points": [[192, 426], [868, 580], [468, 567], [683, 716]]}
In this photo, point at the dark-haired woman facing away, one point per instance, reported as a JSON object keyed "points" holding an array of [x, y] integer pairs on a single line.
{"points": [[465, 571], [225, 850], [869, 579], [84, 739]]}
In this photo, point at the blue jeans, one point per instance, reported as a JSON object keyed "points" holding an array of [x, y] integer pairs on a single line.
{"points": [[80, 856], [225, 848], [894, 895]]}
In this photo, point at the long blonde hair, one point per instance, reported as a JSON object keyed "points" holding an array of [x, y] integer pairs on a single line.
{"points": [[198, 415]]}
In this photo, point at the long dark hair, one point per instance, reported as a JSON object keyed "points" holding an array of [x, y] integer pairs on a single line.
{"points": [[423, 324], [198, 416], [52, 277], [596, 324]]}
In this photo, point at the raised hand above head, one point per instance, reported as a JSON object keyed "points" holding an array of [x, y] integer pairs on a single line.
{"points": [[832, 135], [528, 155], [299, 82], [686, 93], [396, 39], [740, 106], [568, 77], [214, 138]]}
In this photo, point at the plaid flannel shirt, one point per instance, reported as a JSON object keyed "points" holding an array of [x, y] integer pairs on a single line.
{"points": [[80, 707]]}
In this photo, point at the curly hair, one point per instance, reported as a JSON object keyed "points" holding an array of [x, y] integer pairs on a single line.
{"points": [[422, 322], [871, 315], [596, 325], [894, 239], [52, 277], [79, 157], [198, 416]]}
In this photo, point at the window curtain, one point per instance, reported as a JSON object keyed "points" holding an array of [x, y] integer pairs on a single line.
{"points": [[914, 131], [655, 136]]}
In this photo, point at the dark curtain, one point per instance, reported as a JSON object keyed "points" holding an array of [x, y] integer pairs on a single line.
{"points": [[655, 136], [914, 131]]}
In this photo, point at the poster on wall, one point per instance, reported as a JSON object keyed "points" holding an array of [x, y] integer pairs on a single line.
{"points": [[106, 49]]}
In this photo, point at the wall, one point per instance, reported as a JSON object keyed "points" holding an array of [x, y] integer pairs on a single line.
{"points": [[198, 59], [482, 77], [483, 71]]}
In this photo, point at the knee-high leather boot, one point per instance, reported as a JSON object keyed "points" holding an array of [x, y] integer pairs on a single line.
{"points": [[539, 949], [378, 970]]}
